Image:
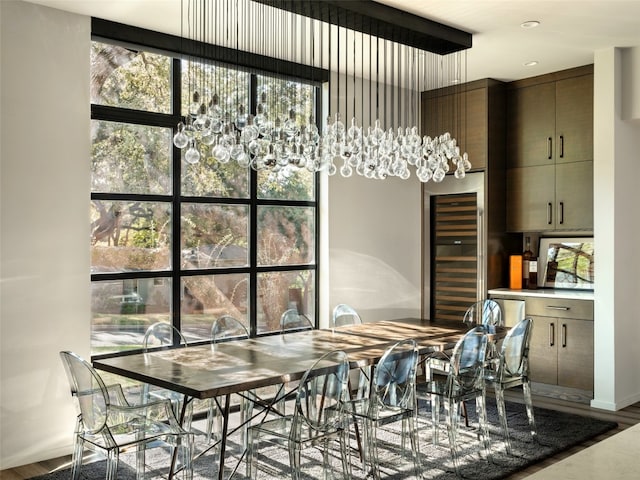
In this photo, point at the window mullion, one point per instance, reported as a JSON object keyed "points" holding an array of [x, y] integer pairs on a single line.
{"points": [[176, 257]]}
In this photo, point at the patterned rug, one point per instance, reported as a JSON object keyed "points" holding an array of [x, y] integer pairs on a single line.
{"points": [[557, 431]]}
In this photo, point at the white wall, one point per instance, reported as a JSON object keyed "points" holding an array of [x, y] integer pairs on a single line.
{"points": [[44, 229], [374, 225], [375, 246], [617, 233]]}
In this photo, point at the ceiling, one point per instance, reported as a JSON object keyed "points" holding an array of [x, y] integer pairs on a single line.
{"points": [[569, 33]]}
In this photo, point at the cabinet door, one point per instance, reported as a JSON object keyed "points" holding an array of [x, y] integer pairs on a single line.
{"points": [[465, 117], [574, 119], [530, 198], [575, 354], [574, 196], [543, 353], [531, 125]]}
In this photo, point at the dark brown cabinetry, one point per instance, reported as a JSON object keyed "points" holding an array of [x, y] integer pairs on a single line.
{"points": [[562, 342], [464, 114], [550, 152], [561, 349], [474, 113], [550, 197]]}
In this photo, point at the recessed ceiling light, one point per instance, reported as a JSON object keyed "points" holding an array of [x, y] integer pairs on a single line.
{"points": [[531, 63], [530, 24]]}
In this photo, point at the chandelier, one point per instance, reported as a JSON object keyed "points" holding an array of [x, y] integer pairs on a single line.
{"points": [[218, 126]]}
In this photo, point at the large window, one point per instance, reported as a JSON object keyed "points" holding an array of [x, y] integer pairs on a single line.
{"points": [[186, 243]]}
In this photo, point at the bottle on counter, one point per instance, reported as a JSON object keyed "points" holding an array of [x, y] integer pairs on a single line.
{"points": [[533, 274], [527, 255]]}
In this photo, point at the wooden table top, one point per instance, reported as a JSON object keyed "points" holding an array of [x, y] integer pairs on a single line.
{"points": [[206, 371]]}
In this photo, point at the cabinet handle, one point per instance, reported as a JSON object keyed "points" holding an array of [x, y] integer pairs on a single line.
{"points": [[549, 148], [552, 334], [561, 146], [549, 213], [558, 307], [561, 213], [564, 335]]}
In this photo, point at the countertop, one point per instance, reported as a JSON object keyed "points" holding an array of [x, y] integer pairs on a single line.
{"points": [[544, 292]]}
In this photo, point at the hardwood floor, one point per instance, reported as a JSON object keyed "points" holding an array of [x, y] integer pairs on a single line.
{"points": [[625, 418]]}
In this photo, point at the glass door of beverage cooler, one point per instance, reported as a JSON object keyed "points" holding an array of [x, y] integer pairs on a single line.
{"points": [[455, 243]]}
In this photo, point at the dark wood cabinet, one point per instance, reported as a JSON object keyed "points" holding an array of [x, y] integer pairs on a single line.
{"points": [[550, 152], [561, 352], [462, 113], [561, 347], [550, 197], [531, 125], [574, 119]]}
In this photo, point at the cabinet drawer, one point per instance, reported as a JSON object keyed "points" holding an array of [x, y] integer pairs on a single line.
{"points": [[559, 308]]}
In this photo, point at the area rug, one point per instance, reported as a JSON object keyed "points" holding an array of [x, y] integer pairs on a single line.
{"points": [[557, 431]]}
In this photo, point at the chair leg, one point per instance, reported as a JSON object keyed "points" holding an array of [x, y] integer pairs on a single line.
{"points": [[346, 462], [526, 388], [246, 411], [464, 414], [186, 445], [453, 418], [503, 417], [251, 464], [435, 418], [294, 459], [76, 459], [112, 466], [415, 446], [212, 418], [481, 409]]}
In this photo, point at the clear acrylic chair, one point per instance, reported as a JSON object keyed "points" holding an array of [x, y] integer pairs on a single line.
{"points": [[512, 370], [392, 398], [161, 336], [344, 315], [228, 328], [291, 321], [317, 419], [107, 423], [486, 312], [464, 381]]}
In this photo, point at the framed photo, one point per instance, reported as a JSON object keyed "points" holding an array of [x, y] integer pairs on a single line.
{"points": [[566, 263]]}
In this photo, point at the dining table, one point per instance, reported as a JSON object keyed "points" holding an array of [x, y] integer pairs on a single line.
{"points": [[235, 367]]}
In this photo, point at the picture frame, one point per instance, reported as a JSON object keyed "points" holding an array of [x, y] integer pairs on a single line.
{"points": [[566, 262]]}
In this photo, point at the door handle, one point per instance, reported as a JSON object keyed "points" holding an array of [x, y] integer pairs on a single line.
{"points": [[549, 213], [549, 148], [561, 146], [564, 335], [561, 213], [554, 307], [552, 334]]}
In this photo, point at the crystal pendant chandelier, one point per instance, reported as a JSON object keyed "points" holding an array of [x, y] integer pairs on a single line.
{"points": [[217, 125], [379, 152]]}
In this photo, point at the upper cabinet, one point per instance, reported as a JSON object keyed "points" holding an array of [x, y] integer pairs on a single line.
{"points": [[550, 152], [461, 111], [551, 121]]}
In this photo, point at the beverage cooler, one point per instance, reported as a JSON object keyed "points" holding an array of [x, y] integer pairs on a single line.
{"points": [[454, 247]]}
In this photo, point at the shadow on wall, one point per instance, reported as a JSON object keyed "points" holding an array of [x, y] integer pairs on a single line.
{"points": [[367, 283]]}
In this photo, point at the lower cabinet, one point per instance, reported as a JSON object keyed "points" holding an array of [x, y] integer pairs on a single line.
{"points": [[561, 352], [561, 348]]}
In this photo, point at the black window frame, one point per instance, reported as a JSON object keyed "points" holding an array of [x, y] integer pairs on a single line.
{"points": [[176, 47]]}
